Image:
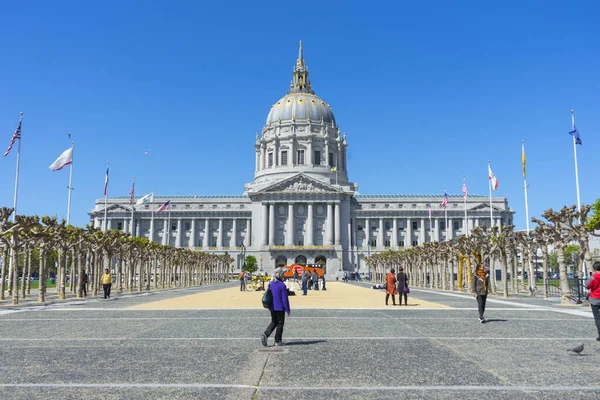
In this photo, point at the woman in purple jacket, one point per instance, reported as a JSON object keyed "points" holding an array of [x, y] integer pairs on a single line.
{"points": [[279, 308]]}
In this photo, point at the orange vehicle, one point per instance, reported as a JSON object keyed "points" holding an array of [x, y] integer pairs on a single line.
{"points": [[289, 270]]}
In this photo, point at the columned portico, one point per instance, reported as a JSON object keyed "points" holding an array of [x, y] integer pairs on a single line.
{"points": [[309, 225], [329, 230], [338, 226], [192, 241], [394, 233], [290, 226], [271, 224]]}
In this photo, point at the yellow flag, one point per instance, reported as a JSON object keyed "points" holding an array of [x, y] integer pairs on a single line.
{"points": [[524, 161]]}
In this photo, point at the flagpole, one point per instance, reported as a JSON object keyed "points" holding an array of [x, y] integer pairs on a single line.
{"points": [[465, 201], [491, 209], [531, 281], [151, 233], [17, 168], [106, 200], [576, 175], [430, 227], [169, 227], [446, 214], [132, 231], [70, 187], [575, 155]]}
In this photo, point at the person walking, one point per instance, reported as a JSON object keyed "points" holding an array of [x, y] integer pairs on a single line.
{"points": [[242, 279], [279, 307], [83, 285], [594, 299], [106, 280], [479, 288], [402, 285], [315, 279], [305, 276], [390, 287]]}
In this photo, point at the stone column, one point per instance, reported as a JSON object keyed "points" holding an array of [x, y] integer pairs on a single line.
{"points": [[233, 241], [108, 224], [178, 233], [264, 239], [272, 224], [395, 233], [206, 243], [408, 234], [329, 230], [248, 238], [309, 226], [192, 241], [257, 160], [422, 229], [165, 232], [338, 225], [436, 229], [125, 226], [289, 239], [367, 230], [476, 221], [292, 156], [470, 225], [220, 235], [263, 157], [380, 234], [450, 229], [354, 233]]}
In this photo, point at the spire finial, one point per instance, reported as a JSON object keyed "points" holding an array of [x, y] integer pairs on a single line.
{"points": [[300, 61]]}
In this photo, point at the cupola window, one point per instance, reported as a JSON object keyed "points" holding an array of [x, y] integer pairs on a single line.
{"points": [[284, 158], [300, 157], [317, 157]]}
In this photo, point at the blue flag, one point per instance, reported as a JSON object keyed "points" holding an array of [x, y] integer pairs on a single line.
{"points": [[575, 134]]}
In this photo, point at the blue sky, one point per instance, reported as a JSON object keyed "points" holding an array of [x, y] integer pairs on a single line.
{"points": [[426, 92]]}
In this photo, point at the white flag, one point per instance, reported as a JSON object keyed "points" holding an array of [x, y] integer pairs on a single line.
{"points": [[492, 178], [149, 198], [64, 159]]}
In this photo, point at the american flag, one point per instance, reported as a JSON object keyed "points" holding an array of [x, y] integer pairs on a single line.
{"points": [[164, 207], [429, 209], [15, 136], [464, 189], [131, 192], [445, 200], [106, 183]]}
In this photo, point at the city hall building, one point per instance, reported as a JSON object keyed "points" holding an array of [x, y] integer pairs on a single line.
{"points": [[301, 207]]}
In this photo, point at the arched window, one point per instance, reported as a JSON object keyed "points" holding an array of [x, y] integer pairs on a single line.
{"points": [[301, 260], [281, 261], [321, 260]]}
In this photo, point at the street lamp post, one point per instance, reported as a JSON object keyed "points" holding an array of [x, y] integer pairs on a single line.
{"points": [[243, 256]]}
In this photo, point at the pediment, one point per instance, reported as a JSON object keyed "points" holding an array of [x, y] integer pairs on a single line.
{"points": [[118, 208], [300, 183], [485, 207]]}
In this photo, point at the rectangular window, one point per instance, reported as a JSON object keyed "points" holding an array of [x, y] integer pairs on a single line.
{"points": [[300, 242], [386, 225], [331, 164], [455, 225], [270, 159], [317, 157], [414, 206], [359, 228], [119, 225], [415, 243], [386, 206], [415, 225], [300, 157], [454, 205], [372, 205], [228, 206], [401, 243], [173, 227], [386, 243], [373, 242], [200, 205], [214, 206], [442, 225], [284, 160], [188, 226], [399, 205]]}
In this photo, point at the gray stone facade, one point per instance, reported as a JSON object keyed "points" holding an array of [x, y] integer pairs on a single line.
{"points": [[300, 206]]}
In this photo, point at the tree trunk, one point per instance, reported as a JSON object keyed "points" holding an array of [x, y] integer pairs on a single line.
{"points": [[493, 274], [27, 260], [545, 271], [2, 273], [29, 256], [504, 262], [14, 262], [564, 281], [41, 294]]}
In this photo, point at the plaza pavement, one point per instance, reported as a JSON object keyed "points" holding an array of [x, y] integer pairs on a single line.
{"points": [[341, 344]]}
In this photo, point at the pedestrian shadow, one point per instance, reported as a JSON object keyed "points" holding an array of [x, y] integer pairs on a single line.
{"points": [[495, 320], [304, 342]]}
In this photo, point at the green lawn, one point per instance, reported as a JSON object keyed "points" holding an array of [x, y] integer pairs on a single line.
{"points": [[50, 283]]}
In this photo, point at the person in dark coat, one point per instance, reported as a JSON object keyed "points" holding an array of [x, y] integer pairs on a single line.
{"points": [[479, 287], [83, 286], [402, 282], [279, 307]]}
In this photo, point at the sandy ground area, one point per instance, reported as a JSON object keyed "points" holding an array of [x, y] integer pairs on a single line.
{"points": [[338, 295]]}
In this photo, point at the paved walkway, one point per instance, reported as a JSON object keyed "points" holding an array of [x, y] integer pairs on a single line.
{"points": [[180, 345], [338, 295]]}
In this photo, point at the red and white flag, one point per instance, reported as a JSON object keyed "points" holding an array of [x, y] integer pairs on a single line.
{"points": [[164, 207], [464, 189], [131, 192], [66, 158], [492, 178]]}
